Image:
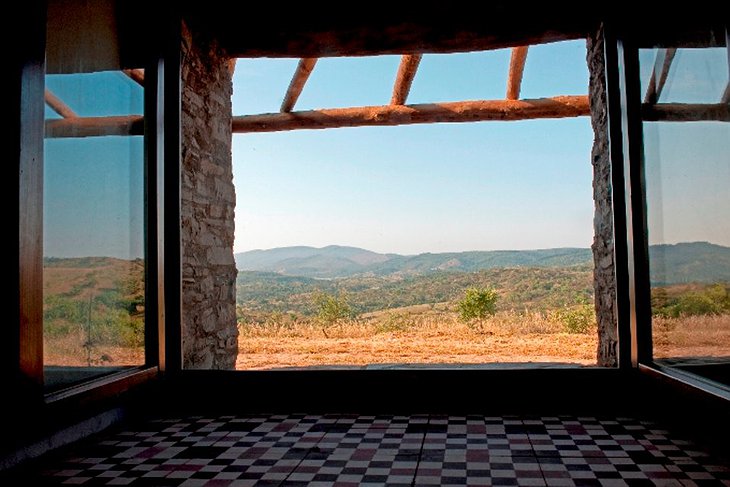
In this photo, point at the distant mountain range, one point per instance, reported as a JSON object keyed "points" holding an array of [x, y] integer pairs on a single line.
{"points": [[336, 261], [671, 264]]}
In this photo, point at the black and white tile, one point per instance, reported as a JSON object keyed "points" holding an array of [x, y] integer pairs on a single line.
{"points": [[347, 451]]}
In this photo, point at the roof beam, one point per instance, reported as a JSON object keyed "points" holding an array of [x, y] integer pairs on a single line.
{"points": [[516, 69], [136, 75], [301, 75], [662, 63], [685, 112], [464, 111], [58, 106], [404, 79], [95, 126]]}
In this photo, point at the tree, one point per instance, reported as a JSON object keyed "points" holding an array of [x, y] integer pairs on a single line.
{"points": [[331, 309], [477, 305]]}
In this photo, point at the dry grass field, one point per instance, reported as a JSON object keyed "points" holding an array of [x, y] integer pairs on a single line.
{"points": [[421, 335], [692, 336], [413, 335]]}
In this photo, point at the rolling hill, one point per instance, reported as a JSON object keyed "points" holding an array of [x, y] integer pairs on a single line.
{"points": [[671, 263], [337, 261]]}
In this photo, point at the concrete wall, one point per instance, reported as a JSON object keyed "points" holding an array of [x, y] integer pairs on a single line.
{"points": [[210, 335], [604, 280]]}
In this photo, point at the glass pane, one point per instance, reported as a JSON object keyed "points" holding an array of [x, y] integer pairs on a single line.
{"points": [[688, 203], [94, 263]]}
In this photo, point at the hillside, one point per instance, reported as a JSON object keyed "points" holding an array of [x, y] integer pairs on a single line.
{"points": [[671, 264], [689, 262], [337, 261], [535, 288]]}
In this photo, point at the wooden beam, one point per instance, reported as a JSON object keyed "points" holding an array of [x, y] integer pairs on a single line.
{"points": [[516, 69], [58, 106], [95, 126], [664, 57], [464, 111], [301, 75], [685, 112], [136, 75], [404, 79]]}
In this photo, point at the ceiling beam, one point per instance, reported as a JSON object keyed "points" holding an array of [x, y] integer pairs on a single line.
{"points": [[662, 63], [685, 112], [516, 69], [95, 126], [136, 75], [404, 79], [301, 75], [58, 106], [464, 111]]}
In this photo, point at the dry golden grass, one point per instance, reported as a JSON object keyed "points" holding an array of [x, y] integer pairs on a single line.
{"points": [[415, 335], [692, 336], [69, 351]]}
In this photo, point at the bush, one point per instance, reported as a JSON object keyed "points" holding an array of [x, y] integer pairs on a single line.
{"points": [[710, 300], [477, 305], [577, 319], [331, 309]]}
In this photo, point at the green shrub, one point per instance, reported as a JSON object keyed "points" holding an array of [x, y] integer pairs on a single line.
{"points": [[331, 309], [577, 319], [477, 305]]}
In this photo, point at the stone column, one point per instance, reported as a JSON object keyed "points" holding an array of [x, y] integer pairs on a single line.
{"points": [[209, 331], [604, 280]]}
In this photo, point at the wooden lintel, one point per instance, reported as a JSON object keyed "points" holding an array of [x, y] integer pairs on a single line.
{"points": [[464, 111], [685, 112], [516, 69], [404, 79], [136, 75], [95, 126], [662, 63], [301, 75], [58, 106]]}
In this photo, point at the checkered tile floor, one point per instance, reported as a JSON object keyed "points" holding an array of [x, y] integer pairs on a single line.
{"points": [[301, 450]]}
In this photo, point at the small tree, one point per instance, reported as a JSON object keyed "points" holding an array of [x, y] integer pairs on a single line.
{"points": [[477, 305], [331, 309]]}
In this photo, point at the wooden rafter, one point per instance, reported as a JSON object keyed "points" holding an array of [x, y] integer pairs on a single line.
{"points": [[304, 69], [516, 69], [685, 112], [662, 63], [136, 75], [58, 106], [95, 126], [404, 79], [465, 111]]}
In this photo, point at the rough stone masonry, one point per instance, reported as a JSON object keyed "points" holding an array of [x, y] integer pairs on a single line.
{"points": [[210, 334], [604, 278]]}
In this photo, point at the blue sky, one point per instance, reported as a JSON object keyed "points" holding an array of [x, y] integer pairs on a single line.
{"points": [[93, 194], [408, 189], [419, 188]]}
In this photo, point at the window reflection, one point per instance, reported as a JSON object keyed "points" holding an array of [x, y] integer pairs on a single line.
{"points": [[687, 166], [93, 213]]}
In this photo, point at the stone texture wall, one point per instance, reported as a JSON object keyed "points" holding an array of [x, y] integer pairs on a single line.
{"points": [[210, 335], [604, 282]]}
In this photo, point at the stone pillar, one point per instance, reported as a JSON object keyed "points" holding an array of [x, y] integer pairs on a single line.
{"points": [[604, 280], [209, 331]]}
